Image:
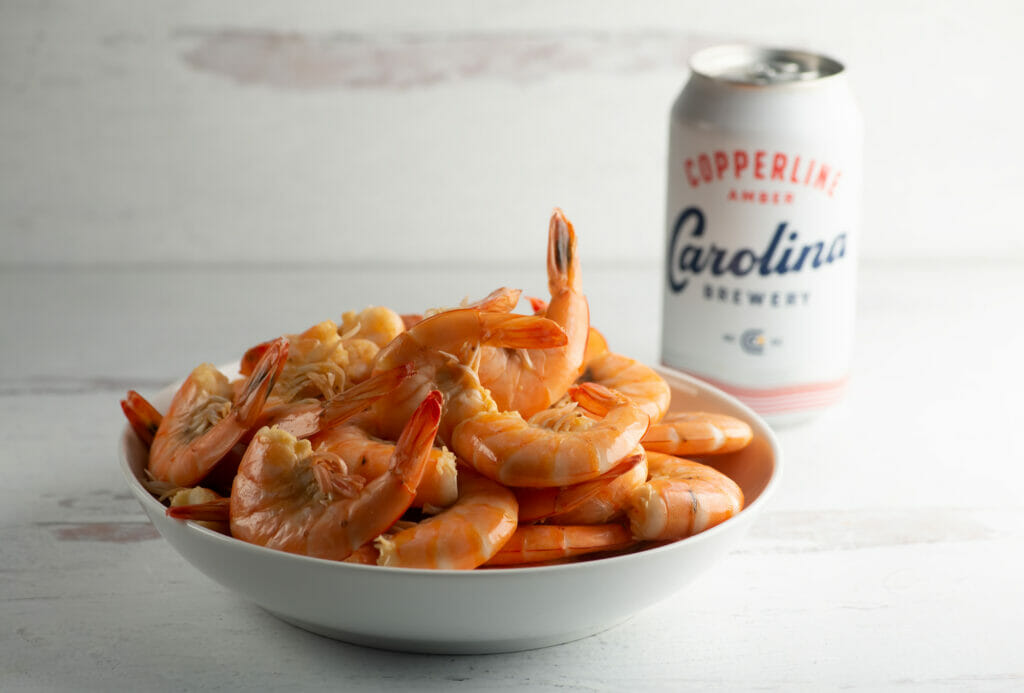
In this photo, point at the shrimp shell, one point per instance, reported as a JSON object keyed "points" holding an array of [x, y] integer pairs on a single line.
{"points": [[461, 537]]}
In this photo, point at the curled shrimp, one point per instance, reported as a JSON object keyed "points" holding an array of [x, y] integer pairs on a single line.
{"points": [[529, 380], [461, 537], [443, 351], [611, 498], [587, 503], [203, 424], [697, 433], [316, 367], [369, 457], [546, 543], [308, 416], [640, 383], [681, 498], [509, 449], [287, 497]]}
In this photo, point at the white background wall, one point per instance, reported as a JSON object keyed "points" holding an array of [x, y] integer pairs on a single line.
{"points": [[235, 132]]}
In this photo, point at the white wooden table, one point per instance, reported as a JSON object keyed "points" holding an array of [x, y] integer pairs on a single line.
{"points": [[891, 556], [181, 180]]}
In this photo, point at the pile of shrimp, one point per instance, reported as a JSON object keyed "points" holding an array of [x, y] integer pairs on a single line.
{"points": [[462, 438]]}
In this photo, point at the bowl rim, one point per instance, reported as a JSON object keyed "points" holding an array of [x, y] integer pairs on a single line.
{"points": [[746, 514]]}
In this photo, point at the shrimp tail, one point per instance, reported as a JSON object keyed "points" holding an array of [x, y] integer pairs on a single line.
{"points": [[502, 300], [211, 511], [358, 397], [257, 388], [142, 416], [416, 440], [252, 357], [520, 331], [595, 398], [563, 264], [538, 305]]}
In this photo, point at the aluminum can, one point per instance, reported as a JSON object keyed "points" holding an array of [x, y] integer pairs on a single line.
{"points": [[764, 177]]}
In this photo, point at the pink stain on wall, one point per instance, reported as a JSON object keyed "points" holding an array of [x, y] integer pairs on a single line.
{"points": [[301, 61]]}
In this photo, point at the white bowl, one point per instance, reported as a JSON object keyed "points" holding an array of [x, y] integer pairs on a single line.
{"points": [[447, 611]]}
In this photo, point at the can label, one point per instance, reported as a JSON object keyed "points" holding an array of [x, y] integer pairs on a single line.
{"points": [[760, 265]]}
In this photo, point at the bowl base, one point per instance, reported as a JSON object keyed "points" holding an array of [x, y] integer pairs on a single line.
{"points": [[443, 647]]}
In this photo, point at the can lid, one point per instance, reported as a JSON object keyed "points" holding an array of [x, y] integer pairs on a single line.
{"points": [[757, 66]]}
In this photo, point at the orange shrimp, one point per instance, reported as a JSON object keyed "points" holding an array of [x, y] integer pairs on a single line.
{"points": [[203, 424], [369, 457], [532, 544], [287, 497], [640, 383], [308, 416], [315, 366], [443, 350], [697, 433], [506, 448], [502, 300], [531, 379], [681, 498], [596, 342], [461, 537], [202, 505], [587, 500], [612, 497], [142, 416]]}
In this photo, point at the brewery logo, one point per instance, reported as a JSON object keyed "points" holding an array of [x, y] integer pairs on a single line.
{"points": [[688, 256], [753, 341]]}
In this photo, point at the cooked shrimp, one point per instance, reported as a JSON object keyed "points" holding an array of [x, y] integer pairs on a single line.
{"points": [[507, 448], [531, 544], [501, 300], [697, 433], [316, 365], [308, 416], [443, 350], [142, 416], [461, 537], [640, 383], [287, 497], [203, 424], [370, 457], [587, 503], [611, 497], [529, 380], [596, 342], [681, 498], [204, 506]]}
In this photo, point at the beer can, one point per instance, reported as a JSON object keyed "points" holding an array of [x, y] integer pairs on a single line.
{"points": [[764, 178]]}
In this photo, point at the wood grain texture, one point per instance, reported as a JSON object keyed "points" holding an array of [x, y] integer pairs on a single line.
{"points": [[889, 559]]}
